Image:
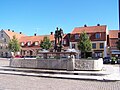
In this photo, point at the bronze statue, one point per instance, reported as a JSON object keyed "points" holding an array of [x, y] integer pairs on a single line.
{"points": [[58, 40]]}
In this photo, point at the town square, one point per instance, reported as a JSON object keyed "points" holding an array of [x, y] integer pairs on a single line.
{"points": [[60, 45]]}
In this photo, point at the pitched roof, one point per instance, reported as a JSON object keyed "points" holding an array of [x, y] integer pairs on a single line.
{"points": [[90, 29], [11, 34], [113, 33], [35, 38]]}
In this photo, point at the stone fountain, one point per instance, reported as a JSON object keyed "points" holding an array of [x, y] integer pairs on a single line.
{"points": [[58, 59]]}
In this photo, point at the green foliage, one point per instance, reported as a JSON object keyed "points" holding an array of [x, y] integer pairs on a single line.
{"points": [[118, 44], [84, 43], [14, 45], [113, 58], [46, 43]]}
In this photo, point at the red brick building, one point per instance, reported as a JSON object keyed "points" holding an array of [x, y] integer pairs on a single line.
{"points": [[113, 38]]}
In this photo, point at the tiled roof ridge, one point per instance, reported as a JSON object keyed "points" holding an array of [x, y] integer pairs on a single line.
{"points": [[89, 29], [90, 26], [14, 32]]}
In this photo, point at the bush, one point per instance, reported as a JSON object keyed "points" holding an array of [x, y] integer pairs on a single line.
{"points": [[113, 58]]}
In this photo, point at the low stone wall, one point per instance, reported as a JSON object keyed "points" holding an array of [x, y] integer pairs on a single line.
{"points": [[66, 64], [37, 63]]}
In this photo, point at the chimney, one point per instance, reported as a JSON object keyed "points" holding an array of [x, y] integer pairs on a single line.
{"points": [[51, 33], [35, 34], [98, 24], [8, 29], [85, 25], [12, 30], [20, 32]]}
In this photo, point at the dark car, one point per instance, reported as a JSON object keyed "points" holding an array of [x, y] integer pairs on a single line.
{"points": [[118, 60], [106, 60]]}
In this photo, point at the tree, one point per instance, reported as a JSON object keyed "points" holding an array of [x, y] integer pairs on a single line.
{"points": [[46, 43], [84, 43], [14, 45]]}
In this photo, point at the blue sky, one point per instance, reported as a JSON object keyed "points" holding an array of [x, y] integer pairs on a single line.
{"points": [[43, 16]]}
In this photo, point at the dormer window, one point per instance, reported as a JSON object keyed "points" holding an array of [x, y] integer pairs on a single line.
{"points": [[36, 43], [77, 37], [97, 35], [22, 43], [28, 43]]}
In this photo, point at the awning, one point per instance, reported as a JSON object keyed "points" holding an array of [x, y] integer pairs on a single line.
{"points": [[115, 52]]}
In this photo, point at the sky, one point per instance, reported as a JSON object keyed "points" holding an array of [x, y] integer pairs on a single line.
{"points": [[43, 16]]}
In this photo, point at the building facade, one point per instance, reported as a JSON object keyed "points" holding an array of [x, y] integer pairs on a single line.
{"points": [[31, 44], [113, 38], [5, 37], [98, 36], [103, 43]]}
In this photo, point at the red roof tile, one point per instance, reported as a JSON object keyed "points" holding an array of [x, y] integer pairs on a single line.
{"points": [[35, 38], [113, 33], [90, 29], [11, 34]]}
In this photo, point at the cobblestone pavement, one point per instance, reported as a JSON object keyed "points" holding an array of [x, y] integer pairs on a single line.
{"points": [[13, 82]]}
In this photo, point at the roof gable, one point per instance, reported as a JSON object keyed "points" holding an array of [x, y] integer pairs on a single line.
{"points": [[11, 34]]}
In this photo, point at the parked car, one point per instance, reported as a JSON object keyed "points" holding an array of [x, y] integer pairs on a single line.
{"points": [[106, 60], [118, 60]]}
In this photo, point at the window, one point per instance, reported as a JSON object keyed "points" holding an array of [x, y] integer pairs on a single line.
{"points": [[6, 46], [73, 45], [1, 35], [1, 46], [76, 36], [94, 45], [101, 45], [36, 43], [2, 54], [29, 43], [97, 35], [4, 39], [22, 44], [64, 41]]}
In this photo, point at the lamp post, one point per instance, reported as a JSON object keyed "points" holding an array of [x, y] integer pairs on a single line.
{"points": [[119, 25]]}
